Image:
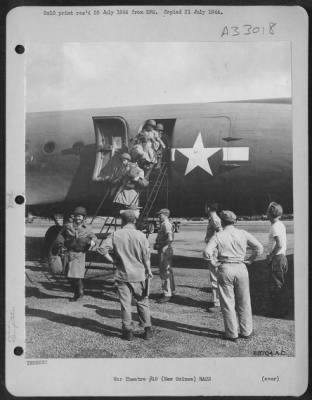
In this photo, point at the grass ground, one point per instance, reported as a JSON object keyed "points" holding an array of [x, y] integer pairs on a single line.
{"points": [[185, 327]]}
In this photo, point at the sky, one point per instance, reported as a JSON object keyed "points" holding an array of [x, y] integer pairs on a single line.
{"points": [[90, 75]]}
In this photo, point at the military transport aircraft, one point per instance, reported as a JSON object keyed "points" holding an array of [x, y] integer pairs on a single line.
{"points": [[238, 153]]}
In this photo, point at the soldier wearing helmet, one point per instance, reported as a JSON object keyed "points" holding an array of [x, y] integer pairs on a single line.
{"points": [[128, 181], [162, 134], [149, 125], [76, 238], [161, 146], [125, 157], [147, 141]]}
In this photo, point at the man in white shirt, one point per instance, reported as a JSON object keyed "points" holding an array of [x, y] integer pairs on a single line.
{"points": [[277, 259]]}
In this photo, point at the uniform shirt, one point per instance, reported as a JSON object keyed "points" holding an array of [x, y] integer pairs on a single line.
{"points": [[165, 233], [232, 245], [145, 135], [278, 229], [131, 254], [214, 225], [76, 238]]}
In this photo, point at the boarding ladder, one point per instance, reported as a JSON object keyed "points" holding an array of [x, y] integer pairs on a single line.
{"points": [[152, 197], [111, 221]]}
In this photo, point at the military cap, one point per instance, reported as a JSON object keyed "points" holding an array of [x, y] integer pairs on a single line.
{"points": [[164, 211], [150, 122], [80, 211], [128, 216], [125, 156], [228, 216], [275, 210], [159, 127]]}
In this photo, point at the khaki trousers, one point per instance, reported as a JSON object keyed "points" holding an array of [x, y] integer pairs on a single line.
{"points": [[165, 271], [136, 289], [214, 283], [278, 286], [235, 302]]}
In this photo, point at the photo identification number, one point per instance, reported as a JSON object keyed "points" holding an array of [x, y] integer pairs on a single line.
{"points": [[247, 29]]}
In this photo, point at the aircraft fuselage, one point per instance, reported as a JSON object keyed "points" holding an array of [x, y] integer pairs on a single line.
{"points": [[238, 153]]}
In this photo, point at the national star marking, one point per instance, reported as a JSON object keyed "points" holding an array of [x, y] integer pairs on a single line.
{"points": [[198, 155]]}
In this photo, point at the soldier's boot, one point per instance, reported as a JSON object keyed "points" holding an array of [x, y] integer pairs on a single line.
{"points": [[215, 299], [79, 288], [73, 283], [148, 334], [127, 335]]}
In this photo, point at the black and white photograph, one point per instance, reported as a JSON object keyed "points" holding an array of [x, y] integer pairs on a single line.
{"points": [[160, 199]]}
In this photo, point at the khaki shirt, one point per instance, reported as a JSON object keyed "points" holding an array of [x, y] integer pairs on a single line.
{"points": [[231, 245], [131, 253], [165, 234]]}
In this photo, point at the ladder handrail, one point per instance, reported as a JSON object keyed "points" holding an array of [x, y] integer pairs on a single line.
{"points": [[145, 212], [153, 194], [107, 193]]}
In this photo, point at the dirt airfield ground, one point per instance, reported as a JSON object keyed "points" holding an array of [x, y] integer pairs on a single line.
{"points": [[186, 327]]}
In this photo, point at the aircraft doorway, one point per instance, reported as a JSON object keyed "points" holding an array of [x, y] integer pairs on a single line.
{"points": [[111, 136]]}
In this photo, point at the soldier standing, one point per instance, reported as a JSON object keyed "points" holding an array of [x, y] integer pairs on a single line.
{"points": [[160, 146], [231, 245], [214, 225], [146, 137], [131, 254], [277, 260], [76, 238], [128, 180], [163, 245]]}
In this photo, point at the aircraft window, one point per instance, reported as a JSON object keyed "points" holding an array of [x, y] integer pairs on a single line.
{"points": [[77, 147], [49, 147]]}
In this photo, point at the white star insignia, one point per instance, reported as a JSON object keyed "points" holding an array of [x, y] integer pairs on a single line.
{"points": [[198, 155]]}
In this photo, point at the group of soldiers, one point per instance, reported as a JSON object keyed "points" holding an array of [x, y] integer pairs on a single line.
{"points": [[146, 154], [128, 249], [149, 144], [226, 247]]}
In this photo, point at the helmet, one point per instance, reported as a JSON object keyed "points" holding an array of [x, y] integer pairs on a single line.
{"points": [[125, 156], [80, 210], [159, 127], [150, 122]]}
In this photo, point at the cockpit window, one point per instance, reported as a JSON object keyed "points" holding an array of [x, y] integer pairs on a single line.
{"points": [[49, 147]]}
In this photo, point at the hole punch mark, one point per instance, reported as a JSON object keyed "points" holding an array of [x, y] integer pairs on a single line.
{"points": [[49, 147], [19, 199], [19, 49], [18, 350]]}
